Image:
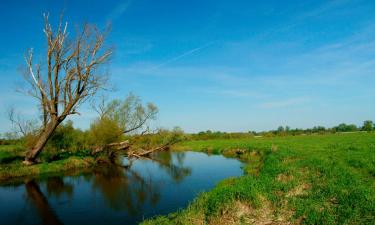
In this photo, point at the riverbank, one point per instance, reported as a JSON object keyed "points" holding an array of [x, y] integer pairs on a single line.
{"points": [[314, 179], [12, 168]]}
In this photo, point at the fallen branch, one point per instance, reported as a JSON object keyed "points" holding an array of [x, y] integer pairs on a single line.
{"points": [[113, 146], [144, 152]]}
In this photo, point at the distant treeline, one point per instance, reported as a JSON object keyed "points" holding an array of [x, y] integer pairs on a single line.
{"points": [[68, 137], [367, 126]]}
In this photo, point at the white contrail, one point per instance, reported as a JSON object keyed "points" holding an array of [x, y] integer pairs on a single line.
{"points": [[174, 59], [118, 11]]}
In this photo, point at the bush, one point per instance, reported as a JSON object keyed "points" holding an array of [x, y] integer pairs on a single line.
{"points": [[104, 131]]}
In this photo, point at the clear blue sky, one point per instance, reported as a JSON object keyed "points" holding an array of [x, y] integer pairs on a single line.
{"points": [[220, 65]]}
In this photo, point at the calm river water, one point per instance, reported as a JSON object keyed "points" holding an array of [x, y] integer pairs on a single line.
{"points": [[115, 195]]}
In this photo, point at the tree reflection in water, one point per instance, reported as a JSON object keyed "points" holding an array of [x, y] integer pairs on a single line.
{"points": [[174, 168], [57, 187], [40, 202], [126, 189], [123, 188]]}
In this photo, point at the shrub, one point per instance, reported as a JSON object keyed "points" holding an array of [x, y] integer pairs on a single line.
{"points": [[104, 131]]}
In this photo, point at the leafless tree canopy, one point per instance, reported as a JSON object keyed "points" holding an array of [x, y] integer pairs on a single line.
{"points": [[71, 70], [70, 75]]}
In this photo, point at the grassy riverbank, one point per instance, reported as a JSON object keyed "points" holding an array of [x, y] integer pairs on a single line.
{"points": [[11, 167], [315, 179]]}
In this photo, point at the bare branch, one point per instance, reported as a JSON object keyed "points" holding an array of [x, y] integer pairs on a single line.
{"points": [[72, 74], [30, 66]]}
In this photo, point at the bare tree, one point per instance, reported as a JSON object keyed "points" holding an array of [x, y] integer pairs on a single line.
{"points": [[22, 127], [70, 75]]}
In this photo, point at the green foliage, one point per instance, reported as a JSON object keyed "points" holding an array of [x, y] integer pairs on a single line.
{"points": [[368, 125], [282, 131], [206, 135], [104, 131], [345, 128], [129, 114], [66, 137], [11, 152], [66, 141]]}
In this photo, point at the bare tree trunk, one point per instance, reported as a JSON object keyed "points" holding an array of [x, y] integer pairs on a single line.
{"points": [[42, 140]]}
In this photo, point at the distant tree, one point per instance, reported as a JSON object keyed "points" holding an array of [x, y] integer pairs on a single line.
{"points": [[352, 127], [345, 128], [318, 129], [368, 125], [22, 127], [10, 136], [280, 129], [287, 128]]}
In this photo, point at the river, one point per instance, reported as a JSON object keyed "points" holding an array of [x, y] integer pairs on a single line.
{"points": [[114, 194]]}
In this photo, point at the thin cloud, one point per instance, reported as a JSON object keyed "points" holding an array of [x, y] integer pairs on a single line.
{"points": [[118, 11], [187, 53]]}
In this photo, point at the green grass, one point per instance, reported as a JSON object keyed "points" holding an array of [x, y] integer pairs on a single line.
{"points": [[10, 153], [313, 179], [12, 169]]}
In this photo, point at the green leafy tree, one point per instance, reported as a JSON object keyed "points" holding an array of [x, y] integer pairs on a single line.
{"points": [[119, 118], [131, 115], [345, 127], [368, 125]]}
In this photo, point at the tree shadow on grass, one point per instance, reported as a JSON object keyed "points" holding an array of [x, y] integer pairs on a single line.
{"points": [[11, 159]]}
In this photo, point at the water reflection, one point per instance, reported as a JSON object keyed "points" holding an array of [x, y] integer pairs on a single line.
{"points": [[40, 202], [175, 168], [124, 190], [117, 194], [123, 187], [57, 187]]}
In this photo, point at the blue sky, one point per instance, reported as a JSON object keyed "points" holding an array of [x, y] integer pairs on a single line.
{"points": [[219, 65]]}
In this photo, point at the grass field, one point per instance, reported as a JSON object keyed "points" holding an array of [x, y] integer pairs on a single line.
{"points": [[314, 179]]}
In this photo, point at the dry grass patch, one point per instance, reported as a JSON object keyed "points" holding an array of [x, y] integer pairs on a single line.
{"points": [[243, 213], [284, 178], [299, 190]]}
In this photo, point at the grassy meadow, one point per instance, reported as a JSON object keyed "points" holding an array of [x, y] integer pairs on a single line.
{"points": [[310, 179]]}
